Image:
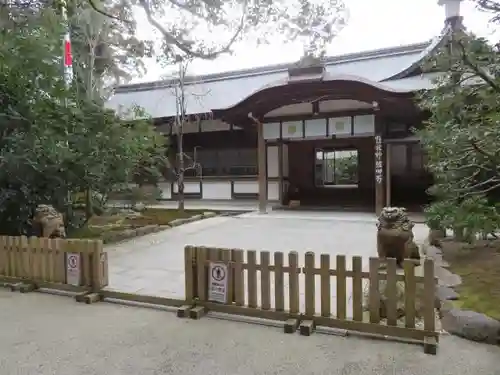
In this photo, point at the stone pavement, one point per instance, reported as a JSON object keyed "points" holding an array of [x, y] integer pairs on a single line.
{"points": [[154, 264], [47, 335]]}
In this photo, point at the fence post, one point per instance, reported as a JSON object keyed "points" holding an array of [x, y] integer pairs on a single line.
{"points": [[430, 343], [307, 326], [96, 246], [189, 264]]}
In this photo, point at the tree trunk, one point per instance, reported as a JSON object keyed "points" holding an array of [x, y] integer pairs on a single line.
{"points": [[180, 205], [180, 199]]}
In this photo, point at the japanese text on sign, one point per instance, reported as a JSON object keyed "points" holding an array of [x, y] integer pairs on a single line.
{"points": [[217, 286], [378, 159]]}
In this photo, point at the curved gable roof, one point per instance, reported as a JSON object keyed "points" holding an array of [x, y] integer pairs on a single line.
{"points": [[435, 44], [226, 89]]}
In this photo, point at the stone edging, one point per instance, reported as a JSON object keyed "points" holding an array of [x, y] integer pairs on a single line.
{"points": [[467, 324], [148, 229]]}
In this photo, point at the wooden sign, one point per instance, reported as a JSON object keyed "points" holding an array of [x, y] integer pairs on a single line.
{"points": [[378, 160]]}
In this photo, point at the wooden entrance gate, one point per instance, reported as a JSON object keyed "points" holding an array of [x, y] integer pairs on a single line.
{"points": [[391, 302]]}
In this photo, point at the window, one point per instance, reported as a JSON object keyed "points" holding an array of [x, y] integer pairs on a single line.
{"points": [[227, 162], [336, 168]]}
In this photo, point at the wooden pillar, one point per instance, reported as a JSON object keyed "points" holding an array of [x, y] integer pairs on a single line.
{"points": [[387, 174], [261, 156], [379, 166]]}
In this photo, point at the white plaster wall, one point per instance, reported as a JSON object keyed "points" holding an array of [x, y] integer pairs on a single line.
{"points": [[246, 187], [339, 126], [166, 190], [189, 187], [364, 125], [291, 129], [216, 190], [272, 161], [271, 130], [315, 128], [273, 190]]}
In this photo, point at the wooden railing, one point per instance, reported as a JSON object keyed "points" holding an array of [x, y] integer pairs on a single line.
{"points": [[43, 260], [303, 296]]}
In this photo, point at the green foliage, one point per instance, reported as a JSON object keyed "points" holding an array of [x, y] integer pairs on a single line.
{"points": [[346, 170], [146, 196], [106, 52], [462, 135], [51, 150]]}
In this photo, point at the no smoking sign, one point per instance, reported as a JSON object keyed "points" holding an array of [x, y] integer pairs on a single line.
{"points": [[73, 269], [217, 286]]}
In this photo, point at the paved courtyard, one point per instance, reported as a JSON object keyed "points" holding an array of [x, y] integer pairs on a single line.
{"points": [[154, 264], [46, 335]]}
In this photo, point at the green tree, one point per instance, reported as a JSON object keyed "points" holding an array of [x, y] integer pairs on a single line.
{"points": [[49, 151], [106, 52], [107, 48], [462, 135]]}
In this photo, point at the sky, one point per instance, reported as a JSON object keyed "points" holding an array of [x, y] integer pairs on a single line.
{"points": [[372, 24]]}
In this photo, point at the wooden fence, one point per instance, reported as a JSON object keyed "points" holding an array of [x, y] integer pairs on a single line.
{"points": [[299, 300], [43, 261]]}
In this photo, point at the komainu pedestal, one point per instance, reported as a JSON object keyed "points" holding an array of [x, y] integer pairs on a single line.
{"points": [[48, 222], [395, 235]]}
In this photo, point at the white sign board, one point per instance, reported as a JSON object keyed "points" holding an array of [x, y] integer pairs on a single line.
{"points": [[73, 269], [217, 282]]}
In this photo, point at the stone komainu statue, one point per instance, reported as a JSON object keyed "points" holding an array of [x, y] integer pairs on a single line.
{"points": [[48, 222], [395, 235]]}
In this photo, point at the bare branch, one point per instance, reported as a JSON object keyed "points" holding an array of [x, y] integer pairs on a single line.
{"points": [[171, 39], [104, 13]]}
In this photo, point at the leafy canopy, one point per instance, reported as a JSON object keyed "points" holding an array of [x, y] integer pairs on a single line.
{"points": [[462, 135], [54, 142]]}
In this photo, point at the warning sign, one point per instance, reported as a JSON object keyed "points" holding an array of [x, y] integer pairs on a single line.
{"points": [[73, 269], [217, 283]]}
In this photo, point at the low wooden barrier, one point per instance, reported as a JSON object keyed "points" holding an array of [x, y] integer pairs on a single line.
{"points": [[42, 262], [290, 293]]}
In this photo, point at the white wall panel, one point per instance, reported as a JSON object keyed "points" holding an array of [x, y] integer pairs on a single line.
{"points": [[189, 187], [272, 161], [271, 130], [166, 190], [315, 128], [246, 187], [216, 190], [339, 126], [273, 190], [364, 125], [292, 129]]}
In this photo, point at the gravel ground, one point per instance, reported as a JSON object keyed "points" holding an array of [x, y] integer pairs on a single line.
{"points": [[44, 334]]}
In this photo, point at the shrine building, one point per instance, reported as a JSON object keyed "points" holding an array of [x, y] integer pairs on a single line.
{"points": [[333, 132]]}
